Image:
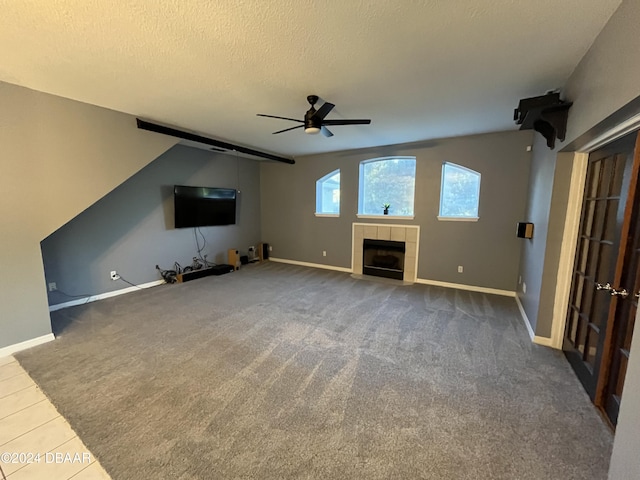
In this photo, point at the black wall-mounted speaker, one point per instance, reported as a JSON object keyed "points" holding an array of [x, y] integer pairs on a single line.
{"points": [[524, 230]]}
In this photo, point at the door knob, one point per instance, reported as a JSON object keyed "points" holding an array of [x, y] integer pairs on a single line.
{"points": [[619, 293], [606, 286]]}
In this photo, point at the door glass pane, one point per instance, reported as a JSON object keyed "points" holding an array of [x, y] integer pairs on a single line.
{"points": [[581, 334], [600, 307], [605, 176], [592, 346], [616, 184], [603, 272], [573, 331], [589, 212], [578, 282], [611, 221], [592, 265], [598, 219], [594, 178], [583, 256], [588, 290]]}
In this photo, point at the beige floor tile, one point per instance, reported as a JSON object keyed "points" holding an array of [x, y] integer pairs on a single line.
{"points": [[10, 370], [20, 400], [7, 359], [25, 420], [43, 439], [65, 461], [92, 472], [15, 384]]}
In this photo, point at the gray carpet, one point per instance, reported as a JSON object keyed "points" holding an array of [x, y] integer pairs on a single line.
{"points": [[279, 371]]}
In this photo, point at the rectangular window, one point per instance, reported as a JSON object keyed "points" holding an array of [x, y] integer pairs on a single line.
{"points": [[328, 194], [459, 193], [387, 186]]}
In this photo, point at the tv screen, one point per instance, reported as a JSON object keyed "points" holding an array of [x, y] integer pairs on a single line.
{"points": [[204, 206]]}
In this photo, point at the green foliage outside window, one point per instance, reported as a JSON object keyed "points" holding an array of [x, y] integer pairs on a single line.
{"points": [[460, 192], [387, 181]]}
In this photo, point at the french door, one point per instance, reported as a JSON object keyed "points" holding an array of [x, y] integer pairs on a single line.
{"points": [[602, 303]]}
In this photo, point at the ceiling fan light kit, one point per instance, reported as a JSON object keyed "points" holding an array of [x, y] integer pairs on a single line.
{"points": [[314, 120]]}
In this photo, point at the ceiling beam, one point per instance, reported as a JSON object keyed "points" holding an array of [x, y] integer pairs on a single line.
{"points": [[174, 132]]}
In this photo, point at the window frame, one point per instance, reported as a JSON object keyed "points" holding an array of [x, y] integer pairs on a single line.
{"points": [[361, 192], [319, 194], [458, 218]]}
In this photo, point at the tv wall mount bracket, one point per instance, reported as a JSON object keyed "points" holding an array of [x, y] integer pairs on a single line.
{"points": [[546, 114]]}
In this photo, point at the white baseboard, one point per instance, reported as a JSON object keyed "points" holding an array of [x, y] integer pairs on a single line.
{"points": [[102, 296], [527, 323], [459, 286], [16, 347], [313, 265], [469, 288], [544, 341]]}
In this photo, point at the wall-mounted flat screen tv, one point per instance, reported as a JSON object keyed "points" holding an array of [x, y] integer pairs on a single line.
{"points": [[204, 206]]}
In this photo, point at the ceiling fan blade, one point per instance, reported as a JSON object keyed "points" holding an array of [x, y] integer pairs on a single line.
{"points": [[287, 129], [323, 111], [346, 122], [281, 118], [326, 132]]}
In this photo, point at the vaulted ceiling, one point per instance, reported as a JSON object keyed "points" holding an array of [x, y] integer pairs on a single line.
{"points": [[418, 69]]}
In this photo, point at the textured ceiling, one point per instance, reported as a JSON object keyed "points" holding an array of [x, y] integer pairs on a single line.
{"points": [[419, 69]]}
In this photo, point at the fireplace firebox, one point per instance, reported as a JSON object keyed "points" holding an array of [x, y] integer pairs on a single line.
{"points": [[383, 258]]}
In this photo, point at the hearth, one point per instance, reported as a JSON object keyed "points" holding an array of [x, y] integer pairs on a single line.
{"points": [[383, 258]]}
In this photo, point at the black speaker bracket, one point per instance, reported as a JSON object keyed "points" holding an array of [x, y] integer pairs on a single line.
{"points": [[546, 115]]}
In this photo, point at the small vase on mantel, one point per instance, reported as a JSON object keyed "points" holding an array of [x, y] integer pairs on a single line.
{"points": [[386, 208]]}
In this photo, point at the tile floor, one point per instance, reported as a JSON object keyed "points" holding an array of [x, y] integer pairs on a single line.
{"points": [[30, 424]]}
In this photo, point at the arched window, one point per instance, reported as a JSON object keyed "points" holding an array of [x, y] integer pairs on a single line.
{"points": [[459, 193], [387, 181], [328, 194]]}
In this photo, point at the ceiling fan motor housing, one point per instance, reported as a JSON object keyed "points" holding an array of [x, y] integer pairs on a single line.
{"points": [[310, 121]]}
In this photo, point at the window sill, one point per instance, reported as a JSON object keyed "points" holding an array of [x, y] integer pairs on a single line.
{"points": [[458, 219], [389, 217], [334, 215]]}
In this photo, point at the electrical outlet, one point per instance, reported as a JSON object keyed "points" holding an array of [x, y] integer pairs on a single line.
{"points": [[114, 275], [324, 253], [53, 287], [271, 248], [460, 269], [524, 287]]}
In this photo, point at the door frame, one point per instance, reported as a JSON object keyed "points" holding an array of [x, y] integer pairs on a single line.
{"points": [[580, 158]]}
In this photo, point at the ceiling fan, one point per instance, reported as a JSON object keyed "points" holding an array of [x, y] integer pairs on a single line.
{"points": [[314, 120]]}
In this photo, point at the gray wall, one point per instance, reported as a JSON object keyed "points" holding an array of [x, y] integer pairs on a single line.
{"points": [[602, 83], [65, 155], [625, 460], [488, 249], [131, 229], [546, 209], [605, 80]]}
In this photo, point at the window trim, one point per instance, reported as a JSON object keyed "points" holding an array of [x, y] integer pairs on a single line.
{"points": [[458, 218], [319, 183]]}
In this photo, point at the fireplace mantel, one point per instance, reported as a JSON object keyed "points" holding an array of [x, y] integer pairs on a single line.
{"points": [[410, 234]]}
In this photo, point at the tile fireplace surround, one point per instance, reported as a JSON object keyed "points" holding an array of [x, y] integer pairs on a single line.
{"points": [[410, 234]]}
